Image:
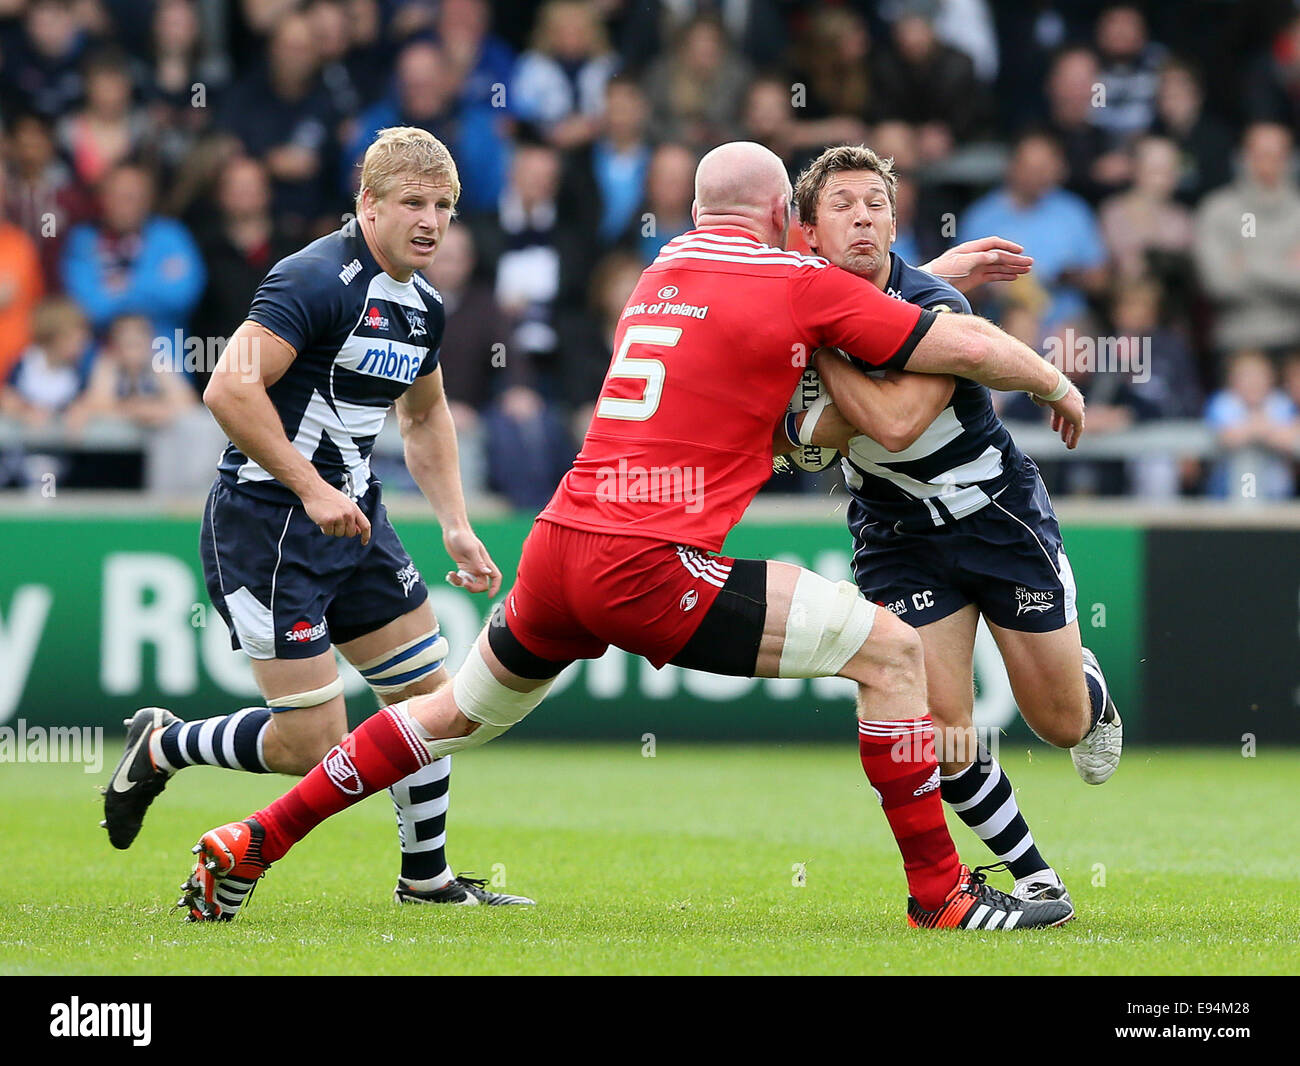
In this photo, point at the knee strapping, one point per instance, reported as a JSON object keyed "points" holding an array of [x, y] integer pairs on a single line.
{"points": [[482, 698], [297, 701], [827, 624], [402, 666]]}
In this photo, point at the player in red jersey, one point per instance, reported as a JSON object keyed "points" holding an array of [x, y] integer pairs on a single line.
{"points": [[708, 351]]}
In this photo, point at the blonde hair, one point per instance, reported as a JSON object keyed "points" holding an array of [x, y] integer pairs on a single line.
{"points": [[404, 151], [54, 317]]}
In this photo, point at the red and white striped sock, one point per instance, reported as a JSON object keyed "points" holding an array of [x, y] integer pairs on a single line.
{"points": [[899, 761], [380, 752]]}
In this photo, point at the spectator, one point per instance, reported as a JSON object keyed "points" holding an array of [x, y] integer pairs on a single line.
{"points": [[183, 82], [369, 57], [1254, 422], [108, 128], [425, 95], [21, 287], [241, 244], [483, 63], [1166, 376], [474, 358], [604, 184], [1056, 226], [1130, 65], [696, 89], [769, 119], [1248, 248], [1095, 169], [927, 83], [533, 259], [559, 83], [42, 196], [1163, 377], [754, 28], [329, 26], [528, 449], [1204, 143], [41, 67], [133, 262], [588, 334], [968, 26], [1273, 81], [51, 372], [1146, 218], [283, 115], [670, 192], [835, 63], [125, 382]]}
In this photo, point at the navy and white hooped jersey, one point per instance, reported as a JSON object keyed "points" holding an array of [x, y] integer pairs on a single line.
{"points": [[961, 460], [362, 338]]}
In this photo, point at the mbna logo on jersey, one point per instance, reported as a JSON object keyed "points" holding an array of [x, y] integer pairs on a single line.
{"points": [[374, 320]]}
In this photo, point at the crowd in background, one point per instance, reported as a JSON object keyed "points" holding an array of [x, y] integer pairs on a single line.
{"points": [[160, 155]]}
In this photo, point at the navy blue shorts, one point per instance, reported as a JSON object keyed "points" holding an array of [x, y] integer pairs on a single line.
{"points": [[288, 591], [1006, 558]]}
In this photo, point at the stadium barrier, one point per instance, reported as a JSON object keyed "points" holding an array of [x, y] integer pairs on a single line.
{"points": [[1194, 615]]}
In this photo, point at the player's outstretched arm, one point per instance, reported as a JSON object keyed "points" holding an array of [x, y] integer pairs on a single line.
{"points": [[972, 347], [894, 409], [255, 358], [974, 263], [433, 458]]}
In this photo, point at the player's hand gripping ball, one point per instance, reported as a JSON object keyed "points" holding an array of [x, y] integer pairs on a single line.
{"points": [[811, 395]]}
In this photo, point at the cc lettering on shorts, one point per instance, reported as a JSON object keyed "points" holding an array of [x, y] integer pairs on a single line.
{"points": [[922, 600]]}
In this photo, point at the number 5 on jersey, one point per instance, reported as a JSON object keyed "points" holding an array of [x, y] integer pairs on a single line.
{"points": [[641, 368]]}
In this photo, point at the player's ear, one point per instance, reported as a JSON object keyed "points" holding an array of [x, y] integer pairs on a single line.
{"points": [[695, 212], [809, 235]]}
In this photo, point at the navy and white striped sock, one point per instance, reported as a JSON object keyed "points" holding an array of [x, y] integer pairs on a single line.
{"points": [[1097, 691], [421, 805], [982, 797], [232, 740]]}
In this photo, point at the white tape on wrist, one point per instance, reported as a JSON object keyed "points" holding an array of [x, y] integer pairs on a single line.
{"points": [[1058, 393], [811, 417]]}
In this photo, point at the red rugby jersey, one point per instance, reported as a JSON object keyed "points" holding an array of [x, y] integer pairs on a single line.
{"points": [[706, 356]]}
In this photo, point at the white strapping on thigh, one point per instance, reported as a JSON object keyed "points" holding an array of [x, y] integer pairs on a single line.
{"points": [[827, 624]]}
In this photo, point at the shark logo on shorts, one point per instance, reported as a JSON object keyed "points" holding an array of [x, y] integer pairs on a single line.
{"points": [[1029, 601], [409, 576]]}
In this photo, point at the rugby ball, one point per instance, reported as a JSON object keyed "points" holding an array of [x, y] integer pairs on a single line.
{"points": [[810, 457]]}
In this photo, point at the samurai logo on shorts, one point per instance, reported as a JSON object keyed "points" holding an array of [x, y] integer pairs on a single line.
{"points": [[409, 576], [1030, 601], [305, 632], [339, 768]]}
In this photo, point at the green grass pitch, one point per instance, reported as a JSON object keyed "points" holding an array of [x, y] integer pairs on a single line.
{"points": [[1185, 862]]}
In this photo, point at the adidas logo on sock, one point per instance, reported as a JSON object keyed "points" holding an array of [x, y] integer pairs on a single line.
{"points": [[930, 785]]}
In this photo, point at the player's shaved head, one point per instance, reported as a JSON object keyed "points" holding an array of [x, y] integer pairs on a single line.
{"points": [[742, 180]]}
